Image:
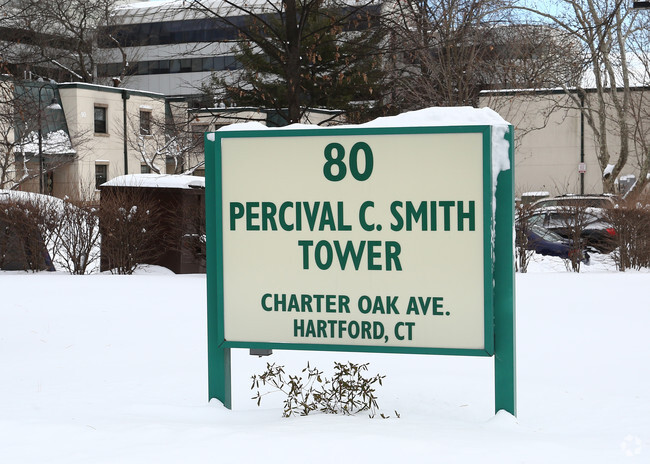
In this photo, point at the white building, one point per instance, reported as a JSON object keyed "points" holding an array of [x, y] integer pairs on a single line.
{"points": [[87, 145]]}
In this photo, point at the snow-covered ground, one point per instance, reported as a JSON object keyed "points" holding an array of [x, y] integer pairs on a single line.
{"points": [[113, 369]]}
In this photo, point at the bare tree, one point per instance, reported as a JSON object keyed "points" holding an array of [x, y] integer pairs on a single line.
{"points": [[60, 39], [444, 52], [610, 35], [8, 140], [171, 140], [640, 104], [437, 50], [33, 140]]}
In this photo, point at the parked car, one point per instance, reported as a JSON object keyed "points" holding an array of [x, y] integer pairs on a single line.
{"points": [[587, 201], [548, 243], [595, 231]]}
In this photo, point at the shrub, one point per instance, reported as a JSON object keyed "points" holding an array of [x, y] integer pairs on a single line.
{"points": [[522, 251], [79, 237], [632, 224], [21, 245], [129, 224], [348, 392], [34, 226]]}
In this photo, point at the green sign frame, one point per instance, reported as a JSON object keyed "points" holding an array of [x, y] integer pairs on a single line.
{"points": [[498, 262]]}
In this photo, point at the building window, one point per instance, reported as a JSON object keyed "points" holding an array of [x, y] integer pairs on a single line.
{"points": [[145, 169], [178, 65], [100, 120], [101, 174], [145, 122]]}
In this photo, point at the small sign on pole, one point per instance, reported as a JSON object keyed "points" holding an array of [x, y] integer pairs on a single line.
{"points": [[350, 239]]}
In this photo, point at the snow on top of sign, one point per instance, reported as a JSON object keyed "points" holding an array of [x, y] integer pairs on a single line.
{"points": [[156, 180], [441, 116], [427, 117], [258, 126], [438, 116]]}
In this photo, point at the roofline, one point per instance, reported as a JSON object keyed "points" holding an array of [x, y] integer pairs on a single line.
{"points": [[106, 88], [556, 91], [237, 109]]}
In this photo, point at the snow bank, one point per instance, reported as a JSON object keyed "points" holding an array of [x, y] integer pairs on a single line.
{"points": [[113, 369]]}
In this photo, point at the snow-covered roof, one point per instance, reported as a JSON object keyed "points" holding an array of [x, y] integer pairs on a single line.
{"points": [[17, 195], [52, 143], [182, 10], [177, 181], [179, 10]]}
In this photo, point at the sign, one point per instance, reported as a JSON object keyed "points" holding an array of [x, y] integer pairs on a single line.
{"points": [[351, 239]]}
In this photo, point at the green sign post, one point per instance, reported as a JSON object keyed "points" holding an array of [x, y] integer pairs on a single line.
{"points": [[360, 239]]}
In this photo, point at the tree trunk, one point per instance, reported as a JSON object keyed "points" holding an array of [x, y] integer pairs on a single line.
{"points": [[293, 62]]}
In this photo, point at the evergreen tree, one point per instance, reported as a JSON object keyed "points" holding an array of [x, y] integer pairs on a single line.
{"points": [[308, 54]]}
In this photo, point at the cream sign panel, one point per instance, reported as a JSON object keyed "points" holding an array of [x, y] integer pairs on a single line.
{"points": [[356, 240]]}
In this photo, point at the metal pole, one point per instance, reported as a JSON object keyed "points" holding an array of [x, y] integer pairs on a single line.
{"points": [[582, 140], [40, 143], [125, 97], [505, 370], [219, 383]]}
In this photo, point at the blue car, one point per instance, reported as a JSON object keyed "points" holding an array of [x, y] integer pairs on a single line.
{"points": [[548, 243]]}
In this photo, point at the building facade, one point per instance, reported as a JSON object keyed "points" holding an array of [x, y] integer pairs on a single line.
{"points": [[85, 135], [557, 150]]}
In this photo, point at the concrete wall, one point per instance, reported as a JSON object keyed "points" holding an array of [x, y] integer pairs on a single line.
{"points": [[548, 143]]}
